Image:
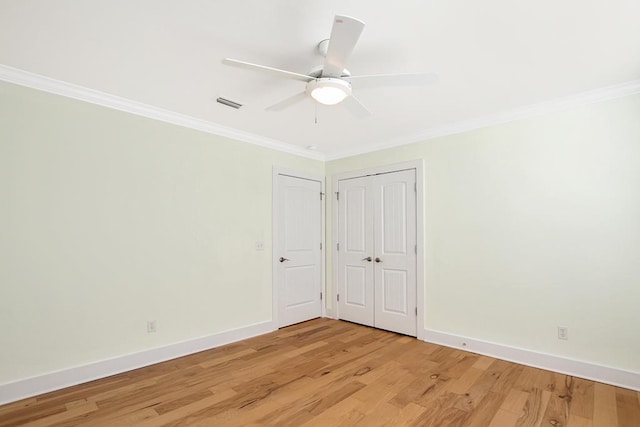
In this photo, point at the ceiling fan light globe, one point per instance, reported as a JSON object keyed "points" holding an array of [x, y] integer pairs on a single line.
{"points": [[328, 95], [329, 91]]}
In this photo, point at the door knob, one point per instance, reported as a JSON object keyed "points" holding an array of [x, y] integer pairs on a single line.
{"points": [[378, 259], [367, 259], [283, 259]]}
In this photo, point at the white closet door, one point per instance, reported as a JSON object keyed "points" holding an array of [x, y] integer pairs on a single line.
{"points": [[355, 253], [299, 238], [376, 257], [394, 234]]}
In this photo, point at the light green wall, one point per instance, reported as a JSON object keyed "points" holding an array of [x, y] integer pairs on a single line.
{"points": [[108, 220], [532, 225]]}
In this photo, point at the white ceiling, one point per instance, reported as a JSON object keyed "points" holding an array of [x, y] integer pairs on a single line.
{"points": [[491, 56]]}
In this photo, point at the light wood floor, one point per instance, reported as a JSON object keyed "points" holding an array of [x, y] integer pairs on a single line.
{"points": [[330, 373]]}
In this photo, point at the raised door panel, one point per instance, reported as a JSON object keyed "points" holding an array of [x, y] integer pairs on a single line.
{"points": [[355, 219], [393, 218], [301, 205], [395, 296], [300, 289], [355, 286]]}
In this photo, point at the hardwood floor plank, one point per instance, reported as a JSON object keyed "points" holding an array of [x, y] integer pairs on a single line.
{"points": [[531, 378], [515, 402], [407, 415], [280, 402], [486, 382], [509, 376], [384, 389], [321, 405], [578, 421], [24, 415], [424, 390], [627, 408], [63, 417], [605, 412], [442, 412], [486, 410], [183, 414], [582, 399], [504, 418], [534, 409], [18, 405], [331, 373], [124, 420], [379, 415], [483, 362], [226, 358], [463, 384], [557, 412], [353, 418], [457, 370], [335, 414]]}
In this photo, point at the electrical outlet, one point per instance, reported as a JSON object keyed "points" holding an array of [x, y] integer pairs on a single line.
{"points": [[151, 326], [259, 245], [563, 333]]}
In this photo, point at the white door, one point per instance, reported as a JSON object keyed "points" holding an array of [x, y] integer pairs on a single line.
{"points": [[377, 222], [299, 259]]}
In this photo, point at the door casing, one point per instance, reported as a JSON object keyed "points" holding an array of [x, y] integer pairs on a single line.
{"points": [[418, 166], [275, 243]]}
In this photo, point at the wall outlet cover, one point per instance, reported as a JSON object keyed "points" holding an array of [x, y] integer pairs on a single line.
{"points": [[563, 333]]}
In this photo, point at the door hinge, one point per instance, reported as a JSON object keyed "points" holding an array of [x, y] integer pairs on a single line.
{"points": [[320, 245], [337, 246], [321, 295], [338, 297], [337, 195], [415, 249], [416, 311], [321, 194]]}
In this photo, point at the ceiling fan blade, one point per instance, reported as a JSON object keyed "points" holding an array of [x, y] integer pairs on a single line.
{"points": [[376, 80], [287, 102], [344, 36], [356, 108], [269, 70]]}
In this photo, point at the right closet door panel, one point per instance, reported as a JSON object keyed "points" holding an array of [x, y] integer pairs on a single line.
{"points": [[395, 251]]}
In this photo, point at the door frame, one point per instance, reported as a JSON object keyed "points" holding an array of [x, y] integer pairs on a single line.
{"points": [[418, 166], [275, 248]]}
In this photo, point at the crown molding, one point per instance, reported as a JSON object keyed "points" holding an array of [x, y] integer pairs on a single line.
{"points": [[524, 112], [70, 90]]}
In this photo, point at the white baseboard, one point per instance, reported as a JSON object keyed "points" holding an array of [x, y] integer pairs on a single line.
{"points": [[576, 368], [13, 391], [28, 387], [330, 314]]}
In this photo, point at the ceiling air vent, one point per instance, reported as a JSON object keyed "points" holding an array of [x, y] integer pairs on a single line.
{"points": [[229, 103]]}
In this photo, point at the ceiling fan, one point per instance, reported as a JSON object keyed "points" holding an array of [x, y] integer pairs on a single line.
{"points": [[331, 83]]}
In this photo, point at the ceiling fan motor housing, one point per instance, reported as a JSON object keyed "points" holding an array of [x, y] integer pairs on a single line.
{"points": [[316, 72]]}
